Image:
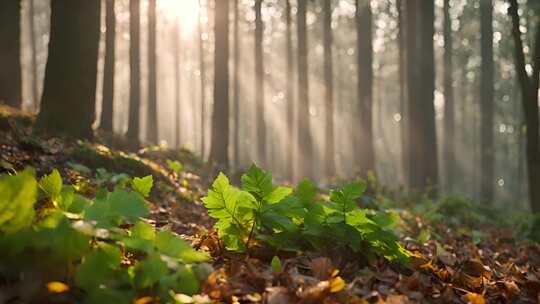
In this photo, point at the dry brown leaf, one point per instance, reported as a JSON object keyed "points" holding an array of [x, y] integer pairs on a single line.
{"points": [[474, 298], [322, 268]]}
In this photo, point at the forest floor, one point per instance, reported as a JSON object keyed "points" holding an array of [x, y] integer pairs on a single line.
{"points": [[457, 255]]}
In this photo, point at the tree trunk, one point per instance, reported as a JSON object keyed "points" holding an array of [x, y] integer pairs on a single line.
{"points": [[422, 140], [529, 89], [10, 53], [69, 93], [449, 118], [220, 115], [329, 152], [487, 179], [177, 84], [236, 87], [202, 68], [152, 126], [33, 51], [107, 107], [134, 73], [305, 141], [259, 84], [364, 143], [402, 90], [289, 91]]}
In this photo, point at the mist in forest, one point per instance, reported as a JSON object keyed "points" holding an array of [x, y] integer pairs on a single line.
{"points": [[363, 51]]}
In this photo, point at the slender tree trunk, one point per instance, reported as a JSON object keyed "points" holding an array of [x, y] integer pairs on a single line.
{"points": [[364, 145], [402, 90], [10, 53], [152, 127], [487, 179], [33, 50], [220, 115], [289, 91], [236, 87], [529, 92], [449, 118], [422, 139], [329, 152], [259, 84], [107, 107], [69, 92], [135, 73], [305, 141], [177, 84], [202, 68]]}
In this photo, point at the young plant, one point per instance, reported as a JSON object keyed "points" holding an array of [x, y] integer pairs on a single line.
{"points": [[295, 221]]}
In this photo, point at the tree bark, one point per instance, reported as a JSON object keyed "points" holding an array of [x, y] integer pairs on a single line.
{"points": [[107, 107], [134, 73], [10, 53], [259, 84], [487, 179], [177, 84], [305, 141], [33, 50], [152, 127], [402, 89], [449, 117], [330, 165], [236, 87], [529, 89], [202, 67], [289, 91], [422, 140], [69, 93], [364, 143], [220, 116]]}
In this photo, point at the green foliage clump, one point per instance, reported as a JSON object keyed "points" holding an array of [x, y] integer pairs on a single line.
{"points": [[295, 220], [99, 246]]}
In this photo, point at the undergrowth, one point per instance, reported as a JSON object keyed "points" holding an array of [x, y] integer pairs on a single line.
{"points": [[297, 220], [98, 250]]}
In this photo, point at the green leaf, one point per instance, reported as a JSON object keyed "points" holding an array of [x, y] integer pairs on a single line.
{"points": [[277, 195], [51, 184], [171, 245], [143, 185], [233, 209], [149, 271], [257, 181], [57, 234], [276, 264], [18, 195], [98, 267], [175, 166], [345, 199], [141, 238], [115, 208], [306, 192], [386, 220], [187, 281], [129, 205], [424, 236], [65, 199], [355, 190]]}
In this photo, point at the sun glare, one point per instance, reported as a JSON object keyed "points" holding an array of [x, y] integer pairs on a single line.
{"points": [[187, 11]]}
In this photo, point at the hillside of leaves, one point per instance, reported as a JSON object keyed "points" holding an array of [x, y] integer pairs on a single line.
{"points": [[82, 222]]}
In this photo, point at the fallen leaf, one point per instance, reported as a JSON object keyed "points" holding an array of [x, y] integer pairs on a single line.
{"points": [[57, 287], [336, 284], [475, 298]]}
